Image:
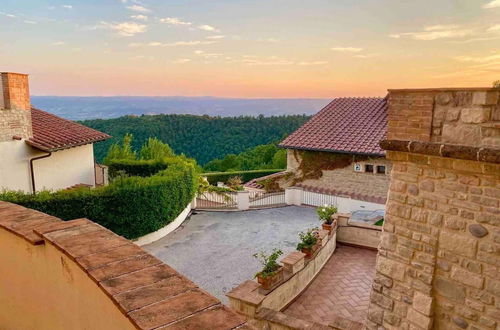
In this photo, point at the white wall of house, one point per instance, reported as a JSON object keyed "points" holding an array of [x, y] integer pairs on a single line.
{"points": [[14, 165], [62, 169], [65, 168]]}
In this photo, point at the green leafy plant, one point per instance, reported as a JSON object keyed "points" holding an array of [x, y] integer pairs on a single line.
{"points": [[379, 222], [130, 206], [325, 212], [235, 183], [155, 149], [121, 151], [246, 176], [496, 84], [269, 262], [307, 240]]}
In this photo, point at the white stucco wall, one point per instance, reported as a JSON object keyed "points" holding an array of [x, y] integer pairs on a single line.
{"points": [[61, 170], [14, 165], [65, 168]]}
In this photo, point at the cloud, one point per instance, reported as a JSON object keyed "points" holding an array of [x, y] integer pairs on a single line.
{"points": [[141, 57], [30, 22], [139, 9], [207, 55], [181, 61], [492, 4], [215, 37], [347, 49], [267, 40], [312, 63], [126, 29], [139, 17], [494, 28], [67, 6], [172, 44], [365, 55], [435, 32], [174, 21], [209, 28], [58, 43], [478, 59], [7, 15]]}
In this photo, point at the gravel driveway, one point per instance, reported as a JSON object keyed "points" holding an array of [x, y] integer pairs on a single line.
{"points": [[214, 249]]}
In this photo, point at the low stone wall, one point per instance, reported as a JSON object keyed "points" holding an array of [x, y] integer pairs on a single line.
{"points": [[272, 320], [248, 298], [357, 233]]}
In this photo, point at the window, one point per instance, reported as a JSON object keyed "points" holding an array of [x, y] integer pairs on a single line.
{"points": [[381, 169], [369, 168]]}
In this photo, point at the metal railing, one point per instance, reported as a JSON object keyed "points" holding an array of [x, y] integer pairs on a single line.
{"points": [[312, 198], [262, 199], [210, 201]]}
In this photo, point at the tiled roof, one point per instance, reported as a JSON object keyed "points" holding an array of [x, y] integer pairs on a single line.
{"points": [[352, 125], [147, 291], [52, 133]]}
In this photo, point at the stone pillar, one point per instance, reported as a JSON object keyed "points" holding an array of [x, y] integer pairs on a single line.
{"points": [[439, 258], [293, 196], [243, 200], [15, 107]]}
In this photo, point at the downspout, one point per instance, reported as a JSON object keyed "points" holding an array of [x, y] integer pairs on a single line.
{"points": [[33, 186]]}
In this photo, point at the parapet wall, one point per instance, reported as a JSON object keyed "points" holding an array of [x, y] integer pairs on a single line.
{"points": [[79, 275]]}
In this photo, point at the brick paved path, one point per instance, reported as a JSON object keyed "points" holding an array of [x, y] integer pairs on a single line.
{"points": [[342, 288]]}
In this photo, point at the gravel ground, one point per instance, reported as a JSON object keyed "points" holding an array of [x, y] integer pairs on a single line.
{"points": [[214, 249]]}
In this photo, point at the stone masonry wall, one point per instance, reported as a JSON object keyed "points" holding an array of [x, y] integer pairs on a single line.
{"points": [[347, 182], [15, 107], [458, 116], [433, 264], [439, 259]]}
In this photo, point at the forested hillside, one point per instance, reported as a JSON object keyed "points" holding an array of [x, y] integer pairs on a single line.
{"points": [[201, 137]]}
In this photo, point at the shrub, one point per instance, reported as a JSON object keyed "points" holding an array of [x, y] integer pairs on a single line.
{"points": [[129, 206], [246, 176], [307, 240], [269, 263], [325, 212], [131, 167]]}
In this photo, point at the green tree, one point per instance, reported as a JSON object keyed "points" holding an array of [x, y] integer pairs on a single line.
{"points": [[121, 151], [496, 84], [155, 149]]}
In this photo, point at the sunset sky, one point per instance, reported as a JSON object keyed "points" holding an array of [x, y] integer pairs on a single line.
{"points": [[249, 48]]}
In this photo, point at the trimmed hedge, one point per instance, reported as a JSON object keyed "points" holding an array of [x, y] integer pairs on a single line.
{"points": [[142, 168], [246, 176], [130, 206]]}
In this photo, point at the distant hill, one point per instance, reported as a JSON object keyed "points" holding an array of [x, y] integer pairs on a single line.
{"points": [[201, 137], [81, 108]]}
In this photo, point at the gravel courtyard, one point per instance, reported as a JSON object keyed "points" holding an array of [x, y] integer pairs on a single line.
{"points": [[214, 249]]}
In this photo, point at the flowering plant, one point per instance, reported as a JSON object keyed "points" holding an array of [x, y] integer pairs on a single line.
{"points": [[325, 212]]}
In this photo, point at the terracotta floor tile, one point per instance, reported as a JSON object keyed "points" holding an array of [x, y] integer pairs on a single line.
{"points": [[341, 288]]}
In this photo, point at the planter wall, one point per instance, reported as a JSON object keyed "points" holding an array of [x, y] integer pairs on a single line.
{"points": [[248, 298]]}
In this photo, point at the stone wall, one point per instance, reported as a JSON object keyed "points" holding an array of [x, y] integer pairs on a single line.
{"points": [[15, 107], [439, 258], [458, 116], [345, 181]]}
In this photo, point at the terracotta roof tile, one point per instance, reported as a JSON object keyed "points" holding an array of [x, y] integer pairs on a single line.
{"points": [[352, 125], [150, 293], [52, 133]]}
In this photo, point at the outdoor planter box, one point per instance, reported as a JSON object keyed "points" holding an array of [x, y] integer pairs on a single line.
{"points": [[269, 282]]}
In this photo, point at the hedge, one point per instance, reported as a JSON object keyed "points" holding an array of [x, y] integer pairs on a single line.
{"points": [[246, 176], [129, 206], [142, 168]]}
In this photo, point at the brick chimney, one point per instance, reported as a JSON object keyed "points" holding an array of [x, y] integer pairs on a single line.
{"points": [[15, 106]]}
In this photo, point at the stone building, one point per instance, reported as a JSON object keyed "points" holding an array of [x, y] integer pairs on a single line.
{"points": [[337, 151], [39, 150], [439, 260]]}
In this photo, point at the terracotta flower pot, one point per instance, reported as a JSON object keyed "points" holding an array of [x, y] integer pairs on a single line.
{"points": [[330, 227], [269, 282], [309, 252]]}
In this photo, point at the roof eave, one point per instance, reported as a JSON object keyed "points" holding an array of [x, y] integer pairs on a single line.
{"points": [[46, 149], [332, 150]]}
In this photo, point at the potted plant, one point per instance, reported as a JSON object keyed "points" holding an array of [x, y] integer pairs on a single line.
{"points": [[326, 214], [271, 273], [308, 243]]}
